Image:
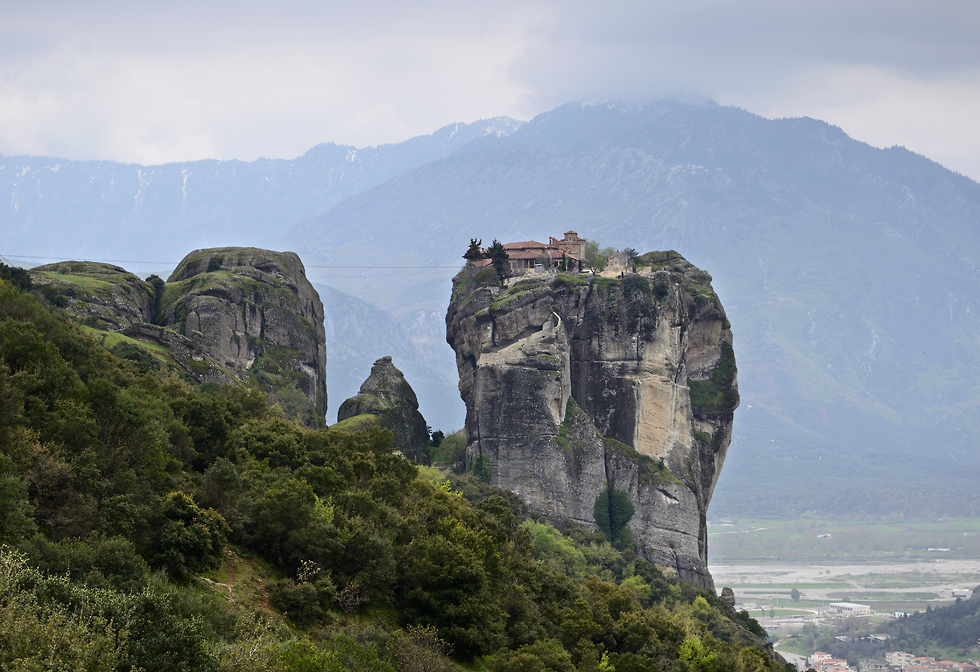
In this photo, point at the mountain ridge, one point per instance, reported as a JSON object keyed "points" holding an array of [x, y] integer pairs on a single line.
{"points": [[849, 271], [815, 246]]}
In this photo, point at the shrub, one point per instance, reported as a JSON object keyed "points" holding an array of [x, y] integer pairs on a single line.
{"points": [[613, 510], [303, 603], [487, 276], [716, 395], [189, 537]]}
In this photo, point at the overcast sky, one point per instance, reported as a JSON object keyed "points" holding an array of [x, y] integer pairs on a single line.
{"points": [[171, 81]]}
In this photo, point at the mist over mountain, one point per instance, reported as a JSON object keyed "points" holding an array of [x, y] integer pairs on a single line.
{"points": [[849, 273]]}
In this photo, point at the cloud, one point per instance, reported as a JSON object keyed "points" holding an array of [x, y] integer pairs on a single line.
{"points": [[643, 48], [896, 72], [183, 80], [185, 83]]}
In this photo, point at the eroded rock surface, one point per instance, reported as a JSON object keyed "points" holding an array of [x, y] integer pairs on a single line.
{"points": [[101, 296], [575, 384], [390, 401], [259, 316], [226, 315]]}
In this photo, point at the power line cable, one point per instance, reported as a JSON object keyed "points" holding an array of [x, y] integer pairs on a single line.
{"points": [[174, 263]]}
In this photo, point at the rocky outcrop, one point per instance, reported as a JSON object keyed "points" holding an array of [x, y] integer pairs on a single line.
{"points": [[101, 296], [226, 315], [577, 385], [259, 316], [387, 399], [191, 354]]}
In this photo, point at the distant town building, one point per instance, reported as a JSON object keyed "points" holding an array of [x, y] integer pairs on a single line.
{"points": [[831, 665], [898, 658], [849, 609], [571, 244], [872, 666]]}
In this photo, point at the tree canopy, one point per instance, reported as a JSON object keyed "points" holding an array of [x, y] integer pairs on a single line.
{"points": [[474, 251]]}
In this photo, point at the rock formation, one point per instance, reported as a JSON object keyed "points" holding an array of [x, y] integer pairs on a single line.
{"points": [[225, 315], [585, 391], [387, 399], [100, 296], [258, 315]]}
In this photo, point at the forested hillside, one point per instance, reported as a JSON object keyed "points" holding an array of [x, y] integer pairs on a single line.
{"points": [[150, 522]]}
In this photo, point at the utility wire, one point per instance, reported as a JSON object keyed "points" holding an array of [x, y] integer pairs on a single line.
{"points": [[174, 263]]}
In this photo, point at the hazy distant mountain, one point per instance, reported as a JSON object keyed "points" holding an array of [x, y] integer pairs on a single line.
{"points": [[850, 275], [358, 334], [108, 210], [149, 217]]}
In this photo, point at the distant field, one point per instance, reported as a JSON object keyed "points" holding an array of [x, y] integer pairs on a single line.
{"points": [[886, 565], [817, 541]]}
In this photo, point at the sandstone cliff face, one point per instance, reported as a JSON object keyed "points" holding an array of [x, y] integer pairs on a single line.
{"points": [[576, 384], [387, 399], [227, 315], [258, 316]]}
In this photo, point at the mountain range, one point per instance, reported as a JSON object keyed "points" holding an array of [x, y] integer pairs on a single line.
{"points": [[850, 274]]}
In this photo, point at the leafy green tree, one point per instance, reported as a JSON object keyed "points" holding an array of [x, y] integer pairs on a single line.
{"points": [[613, 509], [474, 251], [794, 595], [37, 633], [543, 655], [281, 507], [273, 440], [98, 561], [420, 649], [189, 537], [305, 602], [596, 257], [449, 573], [16, 512], [696, 654], [16, 276], [499, 258]]}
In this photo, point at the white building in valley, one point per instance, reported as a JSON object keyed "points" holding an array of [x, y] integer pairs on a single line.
{"points": [[849, 609]]}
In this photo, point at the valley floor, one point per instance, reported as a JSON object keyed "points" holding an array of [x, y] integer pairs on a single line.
{"points": [[890, 567]]}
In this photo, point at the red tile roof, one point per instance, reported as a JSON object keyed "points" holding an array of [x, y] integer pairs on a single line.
{"points": [[526, 254], [524, 245]]}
